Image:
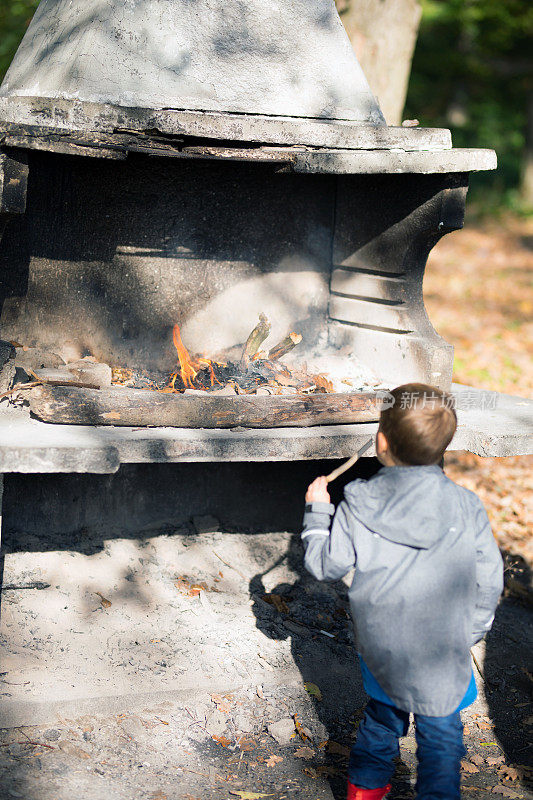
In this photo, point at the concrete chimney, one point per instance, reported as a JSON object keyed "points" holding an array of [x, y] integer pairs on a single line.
{"points": [[260, 57]]}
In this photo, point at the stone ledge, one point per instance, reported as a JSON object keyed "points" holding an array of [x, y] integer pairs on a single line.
{"points": [[64, 116], [346, 162], [29, 446]]}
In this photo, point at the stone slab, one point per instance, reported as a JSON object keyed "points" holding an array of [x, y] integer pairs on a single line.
{"points": [[493, 423], [287, 59], [347, 162], [490, 424], [68, 116]]}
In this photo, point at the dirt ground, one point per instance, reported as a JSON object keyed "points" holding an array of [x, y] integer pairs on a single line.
{"points": [[177, 665], [183, 666]]}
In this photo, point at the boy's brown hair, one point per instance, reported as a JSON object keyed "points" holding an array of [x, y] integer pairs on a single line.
{"points": [[420, 424]]}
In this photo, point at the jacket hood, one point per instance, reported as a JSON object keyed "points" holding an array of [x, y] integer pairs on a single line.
{"points": [[406, 505]]}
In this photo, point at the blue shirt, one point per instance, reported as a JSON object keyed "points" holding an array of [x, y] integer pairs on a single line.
{"points": [[374, 690]]}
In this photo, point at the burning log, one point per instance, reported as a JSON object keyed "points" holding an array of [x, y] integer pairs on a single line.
{"points": [[285, 346], [255, 340], [139, 407]]}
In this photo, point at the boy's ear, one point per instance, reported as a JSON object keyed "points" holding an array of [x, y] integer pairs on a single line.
{"points": [[381, 442]]}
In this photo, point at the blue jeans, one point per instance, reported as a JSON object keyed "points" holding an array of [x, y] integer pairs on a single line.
{"points": [[440, 749]]}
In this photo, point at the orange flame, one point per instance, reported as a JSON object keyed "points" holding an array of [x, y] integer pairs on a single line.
{"points": [[189, 367], [187, 371]]}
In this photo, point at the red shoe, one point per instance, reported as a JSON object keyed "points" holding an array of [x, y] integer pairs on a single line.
{"points": [[356, 793]]}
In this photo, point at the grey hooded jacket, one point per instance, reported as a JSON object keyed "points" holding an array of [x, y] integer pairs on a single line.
{"points": [[428, 576]]}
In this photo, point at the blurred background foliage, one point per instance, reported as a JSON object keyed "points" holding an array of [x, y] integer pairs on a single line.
{"points": [[15, 16], [472, 72]]}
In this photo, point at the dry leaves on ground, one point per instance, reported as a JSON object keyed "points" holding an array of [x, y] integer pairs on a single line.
{"points": [[313, 690], [478, 291], [304, 752], [273, 760]]}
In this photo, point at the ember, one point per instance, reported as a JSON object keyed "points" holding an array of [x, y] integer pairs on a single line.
{"points": [[256, 372]]}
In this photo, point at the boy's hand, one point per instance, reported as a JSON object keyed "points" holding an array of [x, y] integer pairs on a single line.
{"points": [[318, 491]]}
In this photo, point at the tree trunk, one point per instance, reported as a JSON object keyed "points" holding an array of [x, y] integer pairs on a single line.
{"points": [[383, 34], [526, 190]]}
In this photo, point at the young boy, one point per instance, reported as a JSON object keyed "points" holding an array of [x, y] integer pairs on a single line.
{"points": [[428, 575]]}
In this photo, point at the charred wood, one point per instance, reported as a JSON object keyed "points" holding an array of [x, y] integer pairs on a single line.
{"points": [[7, 365], [137, 407], [285, 346], [255, 340]]}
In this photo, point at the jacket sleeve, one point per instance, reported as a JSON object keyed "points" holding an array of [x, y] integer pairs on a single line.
{"points": [[329, 555], [489, 575]]}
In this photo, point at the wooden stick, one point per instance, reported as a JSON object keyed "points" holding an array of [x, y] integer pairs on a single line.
{"points": [[351, 461], [255, 340], [478, 667], [285, 346], [231, 566], [19, 387]]}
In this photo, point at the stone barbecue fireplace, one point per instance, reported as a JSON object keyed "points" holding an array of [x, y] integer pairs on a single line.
{"points": [[217, 168]]}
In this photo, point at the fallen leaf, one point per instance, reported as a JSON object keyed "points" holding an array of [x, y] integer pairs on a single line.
{"points": [[273, 760], [249, 795], [489, 744], [190, 587], [222, 702], [476, 759], [327, 769], [310, 771], [323, 383], [277, 601], [512, 773], [246, 745], [342, 613], [506, 791], [300, 729], [221, 740], [72, 749], [304, 752], [493, 760], [338, 749], [467, 766], [104, 601], [313, 690], [527, 673]]}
